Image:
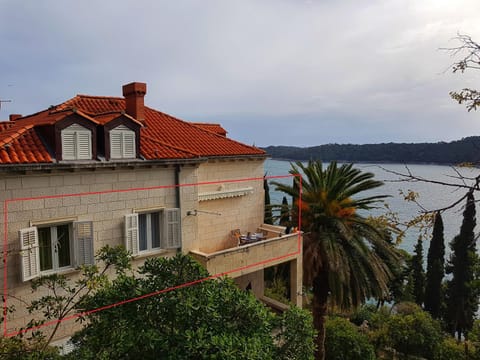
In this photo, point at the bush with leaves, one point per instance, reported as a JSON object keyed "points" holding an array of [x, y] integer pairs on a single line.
{"points": [[344, 340], [17, 348], [449, 349], [208, 319], [413, 333]]}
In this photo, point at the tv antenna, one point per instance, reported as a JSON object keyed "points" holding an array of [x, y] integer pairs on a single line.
{"points": [[4, 101]]}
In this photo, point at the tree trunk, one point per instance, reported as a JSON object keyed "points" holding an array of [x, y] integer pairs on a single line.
{"points": [[319, 310]]}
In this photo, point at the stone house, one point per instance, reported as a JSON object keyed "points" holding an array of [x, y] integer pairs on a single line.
{"points": [[98, 170]]}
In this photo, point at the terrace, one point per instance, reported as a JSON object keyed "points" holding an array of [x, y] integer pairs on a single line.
{"points": [[250, 252]]}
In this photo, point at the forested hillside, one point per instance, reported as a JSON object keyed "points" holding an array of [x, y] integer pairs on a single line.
{"points": [[465, 150]]}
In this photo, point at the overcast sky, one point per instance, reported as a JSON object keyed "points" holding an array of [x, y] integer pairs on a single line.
{"points": [[272, 72]]}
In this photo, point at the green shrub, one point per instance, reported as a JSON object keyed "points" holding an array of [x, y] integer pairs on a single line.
{"points": [[296, 334], [415, 334], [450, 349], [344, 341]]}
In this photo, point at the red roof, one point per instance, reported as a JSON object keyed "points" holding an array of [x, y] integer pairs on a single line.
{"points": [[161, 137], [216, 128]]}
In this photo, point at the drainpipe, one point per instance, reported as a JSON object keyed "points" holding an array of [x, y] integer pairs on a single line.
{"points": [[177, 185], [177, 193]]}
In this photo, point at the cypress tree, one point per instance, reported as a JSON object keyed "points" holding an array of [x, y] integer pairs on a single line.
{"points": [[285, 213], [435, 269], [267, 217], [418, 273], [462, 289]]}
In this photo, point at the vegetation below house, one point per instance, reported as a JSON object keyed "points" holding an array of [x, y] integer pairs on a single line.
{"points": [[454, 152], [210, 319]]}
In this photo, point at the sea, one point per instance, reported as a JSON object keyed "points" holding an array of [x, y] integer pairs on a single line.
{"points": [[431, 196]]}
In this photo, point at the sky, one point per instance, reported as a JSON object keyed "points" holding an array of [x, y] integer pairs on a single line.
{"points": [[271, 72]]}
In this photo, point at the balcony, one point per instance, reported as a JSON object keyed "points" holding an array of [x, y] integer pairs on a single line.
{"points": [[237, 260]]}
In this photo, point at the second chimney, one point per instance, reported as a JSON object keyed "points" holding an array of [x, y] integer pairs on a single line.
{"points": [[134, 94], [13, 117]]}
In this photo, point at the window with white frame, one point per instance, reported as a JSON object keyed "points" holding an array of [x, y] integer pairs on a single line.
{"points": [[50, 248], [154, 230], [76, 143], [122, 143]]}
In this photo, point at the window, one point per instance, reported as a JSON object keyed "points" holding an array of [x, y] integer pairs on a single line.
{"points": [[122, 143], [56, 247], [150, 231], [76, 143]]}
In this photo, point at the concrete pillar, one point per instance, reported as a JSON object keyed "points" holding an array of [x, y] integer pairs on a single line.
{"points": [[296, 277]]}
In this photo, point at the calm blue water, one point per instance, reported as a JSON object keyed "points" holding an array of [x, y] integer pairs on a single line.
{"points": [[431, 196]]}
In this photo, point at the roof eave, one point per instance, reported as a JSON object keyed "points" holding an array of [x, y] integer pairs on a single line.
{"points": [[93, 165]]}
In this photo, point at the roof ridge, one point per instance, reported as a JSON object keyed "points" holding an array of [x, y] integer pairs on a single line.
{"points": [[99, 97], [169, 145]]}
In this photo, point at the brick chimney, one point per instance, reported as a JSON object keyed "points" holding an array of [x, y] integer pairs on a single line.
{"points": [[13, 117], [134, 94]]}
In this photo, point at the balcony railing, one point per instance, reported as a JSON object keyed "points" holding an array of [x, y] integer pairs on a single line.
{"points": [[240, 260]]}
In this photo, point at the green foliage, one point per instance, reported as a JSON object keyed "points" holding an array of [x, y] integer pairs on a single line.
{"points": [[295, 336], [342, 260], [463, 288], [268, 216], [414, 334], [277, 290], [418, 273], [284, 213], [454, 152], [208, 319], [344, 341], [435, 269], [16, 348], [61, 297], [449, 349]]}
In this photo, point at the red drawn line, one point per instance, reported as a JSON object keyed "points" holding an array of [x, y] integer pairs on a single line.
{"points": [[74, 316]]}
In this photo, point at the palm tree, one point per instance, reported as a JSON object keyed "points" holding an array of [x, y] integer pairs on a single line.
{"points": [[345, 255]]}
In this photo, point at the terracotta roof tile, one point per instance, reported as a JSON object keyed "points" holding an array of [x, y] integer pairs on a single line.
{"points": [[162, 136], [216, 128]]}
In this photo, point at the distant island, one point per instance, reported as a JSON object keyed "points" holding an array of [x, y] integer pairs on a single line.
{"points": [[466, 150]]}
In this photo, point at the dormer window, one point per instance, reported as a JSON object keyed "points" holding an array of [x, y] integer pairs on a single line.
{"points": [[76, 143], [122, 143]]}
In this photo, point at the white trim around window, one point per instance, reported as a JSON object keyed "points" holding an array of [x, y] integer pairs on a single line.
{"points": [[147, 232], [56, 247]]}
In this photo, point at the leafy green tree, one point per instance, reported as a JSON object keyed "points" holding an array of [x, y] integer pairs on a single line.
{"points": [[435, 269], [418, 273], [208, 319], [341, 262], [414, 334], [345, 341], [463, 288]]}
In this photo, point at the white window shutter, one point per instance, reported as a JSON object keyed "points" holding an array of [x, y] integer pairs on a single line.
{"points": [[173, 229], [84, 145], [131, 233], [68, 145], [30, 253], [115, 144], [83, 238], [122, 143], [76, 143], [129, 144]]}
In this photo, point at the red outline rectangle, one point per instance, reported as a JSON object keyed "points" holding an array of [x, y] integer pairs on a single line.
{"points": [[53, 322]]}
